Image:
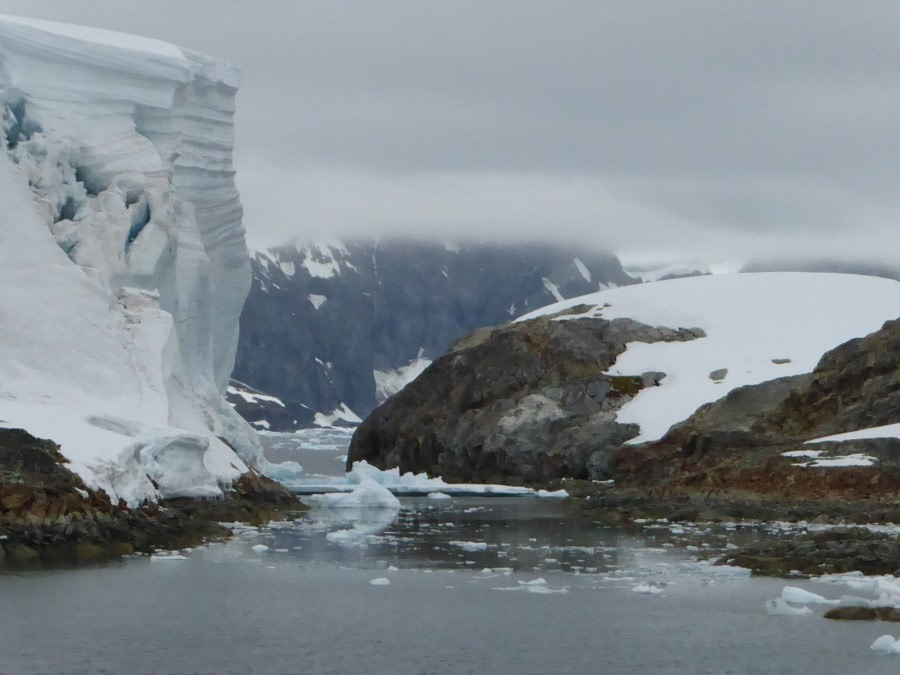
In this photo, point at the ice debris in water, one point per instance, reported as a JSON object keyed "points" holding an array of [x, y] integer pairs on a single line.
{"points": [[380, 581], [552, 494], [367, 494], [469, 545], [538, 586], [259, 548], [649, 589], [284, 471], [439, 495], [780, 607], [800, 596], [886, 644]]}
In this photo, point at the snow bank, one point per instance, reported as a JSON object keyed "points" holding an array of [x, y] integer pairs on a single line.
{"points": [[758, 326], [123, 257]]}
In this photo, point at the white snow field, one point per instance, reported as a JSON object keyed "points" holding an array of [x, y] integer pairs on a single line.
{"points": [[885, 431], [124, 266], [759, 326]]}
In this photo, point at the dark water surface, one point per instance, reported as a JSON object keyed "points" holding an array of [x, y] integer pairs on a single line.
{"points": [[611, 601], [468, 585]]}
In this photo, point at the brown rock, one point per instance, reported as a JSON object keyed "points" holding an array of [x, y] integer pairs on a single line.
{"points": [[851, 614]]}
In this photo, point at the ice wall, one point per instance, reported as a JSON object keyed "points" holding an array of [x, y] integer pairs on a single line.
{"points": [[122, 256]]}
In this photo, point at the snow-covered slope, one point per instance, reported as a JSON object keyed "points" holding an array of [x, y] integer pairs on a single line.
{"points": [[123, 267], [758, 326]]}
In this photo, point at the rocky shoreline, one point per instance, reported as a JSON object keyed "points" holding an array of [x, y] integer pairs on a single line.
{"points": [[49, 517]]}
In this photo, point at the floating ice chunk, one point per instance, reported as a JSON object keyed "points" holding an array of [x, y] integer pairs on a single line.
{"points": [[469, 545], [380, 581], [167, 556], [259, 548], [649, 589], [800, 596], [885, 644], [284, 472], [545, 589], [780, 607], [439, 495], [552, 494], [367, 494], [538, 585]]}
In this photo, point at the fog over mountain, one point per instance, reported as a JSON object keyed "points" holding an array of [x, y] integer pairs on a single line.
{"points": [[668, 132]]}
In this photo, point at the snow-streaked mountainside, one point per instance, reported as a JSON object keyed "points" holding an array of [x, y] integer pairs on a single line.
{"points": [[123, 266], [759, 327], [331, 329]]}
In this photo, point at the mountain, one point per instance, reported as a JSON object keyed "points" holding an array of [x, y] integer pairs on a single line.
{"points": [[331, 329], [569, 390], [124, 266]]}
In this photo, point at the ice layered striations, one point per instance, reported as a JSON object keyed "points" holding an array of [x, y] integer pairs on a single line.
{"points": [[123, 256]]}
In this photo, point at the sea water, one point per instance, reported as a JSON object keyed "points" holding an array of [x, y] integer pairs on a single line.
{"points": [[467, 585]]}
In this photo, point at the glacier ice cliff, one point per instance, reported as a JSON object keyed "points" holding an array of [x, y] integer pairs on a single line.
{"points": [[123, 265]]}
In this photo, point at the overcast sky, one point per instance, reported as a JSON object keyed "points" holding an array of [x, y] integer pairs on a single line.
{"points": [[680, 130]]}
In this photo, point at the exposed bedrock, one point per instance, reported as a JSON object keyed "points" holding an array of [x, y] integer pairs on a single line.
{"points": [[737, 443], [518, 403], [49, 516]]}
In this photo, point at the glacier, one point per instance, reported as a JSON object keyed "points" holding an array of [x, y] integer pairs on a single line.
{"points": [[123, 264]]}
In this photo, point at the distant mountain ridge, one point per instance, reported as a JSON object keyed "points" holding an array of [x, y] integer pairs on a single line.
{"points": [[331, 329]]}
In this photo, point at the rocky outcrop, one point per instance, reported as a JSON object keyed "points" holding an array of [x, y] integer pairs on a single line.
{"points": [[350, 323], [738, 442], [48, 516], [518, 403], [841, 549]]}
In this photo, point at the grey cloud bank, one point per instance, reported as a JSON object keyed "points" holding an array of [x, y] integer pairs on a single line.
{"points": [[662, 131]]}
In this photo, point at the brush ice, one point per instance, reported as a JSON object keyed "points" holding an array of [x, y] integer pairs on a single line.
{"points": [[123, 257], [751, 321]]}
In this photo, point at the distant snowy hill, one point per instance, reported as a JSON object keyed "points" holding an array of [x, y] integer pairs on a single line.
{"points": [[568, 391], [123, 267], [331, 329], [759, 326]]}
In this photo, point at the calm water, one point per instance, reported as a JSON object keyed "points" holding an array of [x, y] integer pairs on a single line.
{"points": [[473, 586]]}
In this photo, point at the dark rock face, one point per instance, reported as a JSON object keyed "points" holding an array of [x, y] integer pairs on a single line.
{"points": [[49, 516], [320, 320], [519, 403]]}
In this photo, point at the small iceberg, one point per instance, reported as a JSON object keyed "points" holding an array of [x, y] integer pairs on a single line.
{"points": [[886, 644], [368, 494], [780, 607]]}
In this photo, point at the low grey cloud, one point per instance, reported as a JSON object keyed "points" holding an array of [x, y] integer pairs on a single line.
{"points": [[684, 130]]}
